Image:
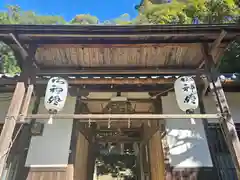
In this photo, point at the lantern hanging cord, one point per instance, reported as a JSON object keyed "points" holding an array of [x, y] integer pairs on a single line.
{"points": [[191, 111], [158, 94], [129, 123], [89, 122], [109, 123]]}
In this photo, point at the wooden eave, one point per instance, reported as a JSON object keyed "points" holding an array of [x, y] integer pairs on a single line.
{"points": [[158, 49], [114, 83]]}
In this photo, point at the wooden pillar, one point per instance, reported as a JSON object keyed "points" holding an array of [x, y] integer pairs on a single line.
{"points": [[226, 121], [80, 146], [81, 161], [10, 123], [141, 161], [156, 155]]}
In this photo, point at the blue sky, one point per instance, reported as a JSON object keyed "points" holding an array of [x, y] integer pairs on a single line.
{"points": [[103, 9]]}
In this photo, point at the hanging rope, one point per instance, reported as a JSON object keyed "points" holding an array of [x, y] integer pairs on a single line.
{"points": [[129, 123], [109, 123], [12, 142], [89, 122]]}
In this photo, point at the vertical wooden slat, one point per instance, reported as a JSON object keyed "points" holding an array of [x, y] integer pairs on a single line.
{"points": [[10, 122], [64, 173]]}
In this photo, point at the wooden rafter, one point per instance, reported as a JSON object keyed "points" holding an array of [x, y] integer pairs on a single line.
{"points": [[22, 49], [217, 42], [27, 53], [213, 46]]}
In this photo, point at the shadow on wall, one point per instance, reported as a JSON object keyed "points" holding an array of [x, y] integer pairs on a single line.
{"points": [[187, 144], [186, 140]]}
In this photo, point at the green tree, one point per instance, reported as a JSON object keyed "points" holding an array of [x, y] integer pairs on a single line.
{"points": [[84, 19], [14, 15], [7, 60], [213, 11], [185, 12], [166, 13], [124, 19], [231, 60], [29, 17], [195, 11]]}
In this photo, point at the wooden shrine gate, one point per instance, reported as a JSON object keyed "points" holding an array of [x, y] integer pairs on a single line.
{"points": [[115, 59]]}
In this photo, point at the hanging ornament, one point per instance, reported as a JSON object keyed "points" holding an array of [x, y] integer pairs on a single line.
{"points": [[129, 123], [55, 96], [109, 123], [89, 122], [186, 94]]}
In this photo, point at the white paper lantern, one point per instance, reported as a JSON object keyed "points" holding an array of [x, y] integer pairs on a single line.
{"points": [[56, 95], [186, 93]]}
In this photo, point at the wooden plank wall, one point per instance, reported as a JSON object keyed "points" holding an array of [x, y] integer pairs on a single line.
{"points": [[81, 159], [47, 174]]}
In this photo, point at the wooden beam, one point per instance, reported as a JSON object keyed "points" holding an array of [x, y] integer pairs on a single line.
{"points": [[213, 47], [120, 35], [116, 81], [10, 122], [120, 117], [143, 45], [105, 81], [102, 81], [23, 52], [155, 71], [25, 55], [217, 42]]}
